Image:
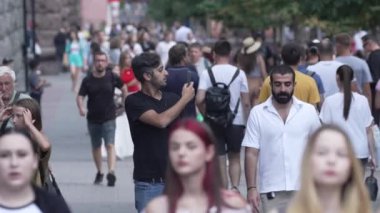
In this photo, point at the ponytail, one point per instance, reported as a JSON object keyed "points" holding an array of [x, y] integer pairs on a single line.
{"points": [[345, 74]]}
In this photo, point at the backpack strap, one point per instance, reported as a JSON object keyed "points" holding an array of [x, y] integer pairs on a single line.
{"points": [[310, 73], [212, 78], [234, 77]]}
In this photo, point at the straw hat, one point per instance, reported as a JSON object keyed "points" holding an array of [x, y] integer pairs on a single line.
{"points": [[250, 45]]}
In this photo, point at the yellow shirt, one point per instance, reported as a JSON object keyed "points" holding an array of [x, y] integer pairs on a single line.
{"points": [[305, 89]]}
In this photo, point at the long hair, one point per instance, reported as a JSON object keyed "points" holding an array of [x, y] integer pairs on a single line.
{"points": [[122, 58], [355, 198], [34, 108], [247, 62], [211, 181], [345, 76]]}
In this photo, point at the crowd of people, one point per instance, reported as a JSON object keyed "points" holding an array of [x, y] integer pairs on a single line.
{"points": [[305, 125]]}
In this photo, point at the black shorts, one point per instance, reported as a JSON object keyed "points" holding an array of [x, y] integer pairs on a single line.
{"points": [[229, 138]]}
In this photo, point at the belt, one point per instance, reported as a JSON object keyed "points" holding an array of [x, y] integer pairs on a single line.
{"points": [[151, 180]]}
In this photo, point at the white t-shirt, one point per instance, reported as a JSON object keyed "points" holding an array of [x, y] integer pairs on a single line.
{"points": [[281, 144], [359, 118], [30, 208], [327, 71], [223, 73], [162, 50]]}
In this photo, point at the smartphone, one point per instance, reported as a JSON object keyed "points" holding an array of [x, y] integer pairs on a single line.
{"points": [[188, 78]]}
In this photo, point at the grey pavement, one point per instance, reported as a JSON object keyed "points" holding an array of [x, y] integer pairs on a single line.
{"points": [[71, 160], [72, 163]]}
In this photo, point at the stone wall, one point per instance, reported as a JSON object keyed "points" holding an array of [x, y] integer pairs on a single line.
{"points": [[53, 14], [12, 36]]}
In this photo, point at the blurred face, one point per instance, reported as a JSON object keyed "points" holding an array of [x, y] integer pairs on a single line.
{"points": [[17, 161], [187, 152], [128, 60], [6, 87], [159, 76], [18, 117], [169, 37], [282, 88], [101, 63], [329, 159], [195, 54]]}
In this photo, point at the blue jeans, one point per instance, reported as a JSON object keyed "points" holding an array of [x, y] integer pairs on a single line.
{"points": [[145, 192]]}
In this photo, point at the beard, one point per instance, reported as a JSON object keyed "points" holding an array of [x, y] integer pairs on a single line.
{"points": [[282, 97]]}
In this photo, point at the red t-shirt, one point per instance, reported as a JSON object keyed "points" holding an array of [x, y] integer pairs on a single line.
{"points": [[127, 76]]}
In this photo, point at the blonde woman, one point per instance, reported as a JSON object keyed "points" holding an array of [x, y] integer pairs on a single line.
{"points": [[331, 179]]}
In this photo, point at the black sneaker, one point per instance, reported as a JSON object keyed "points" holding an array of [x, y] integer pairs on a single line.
{"points": [[98, 178], [111, 178]]}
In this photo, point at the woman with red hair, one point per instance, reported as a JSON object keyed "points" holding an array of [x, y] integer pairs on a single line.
{"points": [[193, 174]]}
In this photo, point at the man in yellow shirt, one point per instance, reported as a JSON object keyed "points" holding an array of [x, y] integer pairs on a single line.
{"points": [[305, 87]]}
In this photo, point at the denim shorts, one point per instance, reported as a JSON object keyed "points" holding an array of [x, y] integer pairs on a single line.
{"points": [[99, 131], [145, 192]]}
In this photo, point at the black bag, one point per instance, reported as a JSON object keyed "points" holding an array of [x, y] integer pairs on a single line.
{"points": [[50, 185], [217, 101], [371, 183]]}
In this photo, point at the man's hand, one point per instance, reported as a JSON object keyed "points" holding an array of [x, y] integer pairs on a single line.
{"points": [[188, 91], [253, 198], [372, 163], [82, 112]]}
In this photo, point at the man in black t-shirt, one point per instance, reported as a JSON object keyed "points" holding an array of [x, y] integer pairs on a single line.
{"points": [[150, 111], [372, 47], [99, 87]]}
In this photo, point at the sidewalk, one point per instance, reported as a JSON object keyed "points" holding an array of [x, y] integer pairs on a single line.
{"points": [[71, 160]]}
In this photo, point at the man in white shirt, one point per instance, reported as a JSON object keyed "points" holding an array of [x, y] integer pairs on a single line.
{"points": [[164, 46], [197, 59], [276, 134], [326, 68], [228, 138]]}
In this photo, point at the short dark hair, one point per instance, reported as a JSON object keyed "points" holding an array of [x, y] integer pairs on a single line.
{"points": [[282, 70], [176, 54], [195, 45], [145, 63], [326, 47], [343, 39], [369, 37], [291, 54], [222, 48], [99, 53]]}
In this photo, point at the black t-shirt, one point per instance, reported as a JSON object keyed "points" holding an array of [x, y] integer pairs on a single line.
{"points": [[150, 142], [100, 92], [374, 65]]}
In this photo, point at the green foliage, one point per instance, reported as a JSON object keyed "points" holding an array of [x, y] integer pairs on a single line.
{"points": [[331, 15]]}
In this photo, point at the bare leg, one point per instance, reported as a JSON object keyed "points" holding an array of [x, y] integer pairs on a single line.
{"points": [[72, 75], [97, 156], [223, 170], [111, 157], [234, 168]]}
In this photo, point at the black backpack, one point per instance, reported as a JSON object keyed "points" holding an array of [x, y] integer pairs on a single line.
{"points": [[217, 101]]}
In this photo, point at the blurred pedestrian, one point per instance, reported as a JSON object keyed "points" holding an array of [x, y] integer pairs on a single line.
{"points": [[36, 83], [74, 56], [126, 73], [18, 164], [60, 44], [163, 47], [196, 57], [145, 41], [251, 61], [193, 174], [331, 177]]}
